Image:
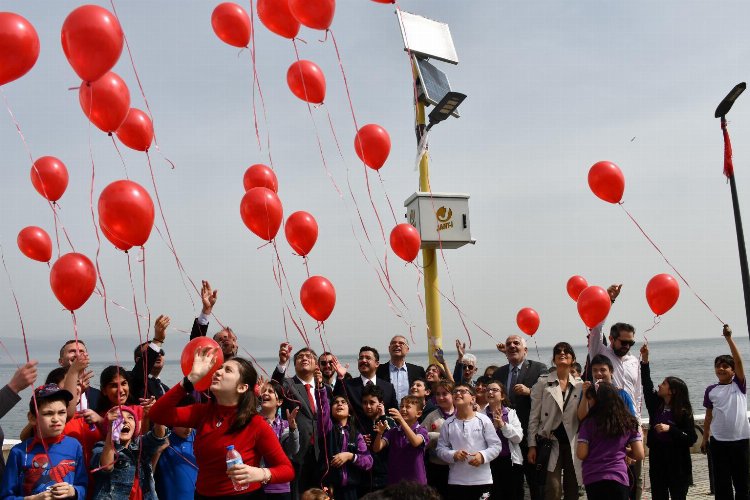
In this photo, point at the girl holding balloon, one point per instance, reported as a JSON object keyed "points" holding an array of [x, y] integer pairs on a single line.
{"points": [[230, 418]]}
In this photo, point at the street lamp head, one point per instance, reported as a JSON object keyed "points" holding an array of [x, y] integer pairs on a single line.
{"points": [[726, 104], [446, 107]]}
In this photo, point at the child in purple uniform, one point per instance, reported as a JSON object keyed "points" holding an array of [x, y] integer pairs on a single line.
{"points": [[608, 434], [407, 442]]}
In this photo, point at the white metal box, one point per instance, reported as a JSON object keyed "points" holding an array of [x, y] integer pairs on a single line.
{"points": [[442, 219]]}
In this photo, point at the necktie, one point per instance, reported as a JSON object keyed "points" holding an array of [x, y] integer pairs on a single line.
{"points": [[310, 397], [369, 383], [513, 379]]}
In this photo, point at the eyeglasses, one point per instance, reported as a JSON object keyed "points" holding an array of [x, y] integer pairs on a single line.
{"points": [[628, 343], [493, 390], [461, 391]]}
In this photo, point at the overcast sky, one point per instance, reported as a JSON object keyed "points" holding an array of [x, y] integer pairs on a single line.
{"points": [[552, 88]]}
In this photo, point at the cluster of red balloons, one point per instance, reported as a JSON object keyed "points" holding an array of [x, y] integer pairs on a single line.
{"points": [[262, 213], [607, 181], [19, 47], [92, 40], [527, 320], [126, 214]]}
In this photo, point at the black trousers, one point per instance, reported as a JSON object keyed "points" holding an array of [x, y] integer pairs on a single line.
{"points": [[474, 492], [529, 470], [607, 490], [731, 461], [306, 474], [666, 486], [507, 479]]}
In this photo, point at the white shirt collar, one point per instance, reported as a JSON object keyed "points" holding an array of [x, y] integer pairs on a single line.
{"points": [[365, 379]]}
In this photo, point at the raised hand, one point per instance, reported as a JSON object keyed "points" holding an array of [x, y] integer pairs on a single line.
{"points": [[204, 360], [500, 347], [291, 417], [381, 426], [285, 349], [340, 370], [146, 404], [318, 376], [24, 377], [614, 291], [208, 297], [727, 331], [460, 348], [644, 353], [395, 415], [160, 328]]}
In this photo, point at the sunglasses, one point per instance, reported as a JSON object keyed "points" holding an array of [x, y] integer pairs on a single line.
{"points": [[324, 363], [468, 367], [629, 343]]}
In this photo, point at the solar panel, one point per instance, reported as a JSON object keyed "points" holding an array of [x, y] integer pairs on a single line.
{"points": [[433, 82], [426, 37]]}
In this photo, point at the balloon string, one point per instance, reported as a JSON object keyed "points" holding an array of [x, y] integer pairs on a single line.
{"points": [[669, 263], [15, 300], [537, 349], [122, 159], [387, 198], [140, 86], [135, 303], [183, 273], [256, 81], [182, 276], [282, 274], [657, 320], [145, 294], [338, 146], [281, 295], [307, 268]]}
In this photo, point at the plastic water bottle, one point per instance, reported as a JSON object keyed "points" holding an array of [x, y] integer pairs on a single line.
{"points": [[234, 458]]}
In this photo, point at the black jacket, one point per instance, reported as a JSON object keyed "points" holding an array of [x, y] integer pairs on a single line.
{"points": [[668, 458], [352, 390], [413, 372], [528, 376]]}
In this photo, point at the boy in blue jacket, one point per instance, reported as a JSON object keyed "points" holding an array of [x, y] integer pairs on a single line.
{"points": [[48, 465]]}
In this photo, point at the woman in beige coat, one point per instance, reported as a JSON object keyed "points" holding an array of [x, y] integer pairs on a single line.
{"points": [[554, 401]]}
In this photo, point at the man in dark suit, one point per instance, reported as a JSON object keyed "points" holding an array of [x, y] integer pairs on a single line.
{"points": [[519, 376], [368, 362], [299, 391], [397, 371]]}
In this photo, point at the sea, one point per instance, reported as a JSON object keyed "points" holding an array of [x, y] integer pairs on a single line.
{"points": [[691, 360]]}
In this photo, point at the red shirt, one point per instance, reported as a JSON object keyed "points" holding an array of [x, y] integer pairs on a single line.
{"points": [[211, 422]]}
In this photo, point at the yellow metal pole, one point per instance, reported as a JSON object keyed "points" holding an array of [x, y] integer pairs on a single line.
{"points": [[429, 260]]}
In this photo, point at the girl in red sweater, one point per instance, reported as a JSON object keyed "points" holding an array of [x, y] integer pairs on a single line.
{"points": [[230, 418]]}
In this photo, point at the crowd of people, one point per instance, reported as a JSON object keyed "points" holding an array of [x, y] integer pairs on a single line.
{"points": [[317, 430]]}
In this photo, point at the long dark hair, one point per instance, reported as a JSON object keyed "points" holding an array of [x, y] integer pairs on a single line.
{"points": [[247, 406], [106, 377], [609, 413], [680, 402]]}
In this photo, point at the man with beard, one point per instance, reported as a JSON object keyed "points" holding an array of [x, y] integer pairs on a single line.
{"points": [[329, 367], [626, 372], [299, 392], [519, 375], [225, 337], [397, 371], [153, 385], [367, 363]]}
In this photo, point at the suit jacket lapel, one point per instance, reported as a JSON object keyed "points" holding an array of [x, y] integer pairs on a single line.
{"points": [[522, 373]]}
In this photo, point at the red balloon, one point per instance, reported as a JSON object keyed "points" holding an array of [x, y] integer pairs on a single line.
{"points": [[126, 212], [576, 284], [318, 297], [593, 305], [527, 320], [662, 293], [607, 181], [114, 239], [188, 356], [34, 243], [315, 14], [260, 175], [72, 279], [276, 16], [231, 24], [307, 81], [49, 177], [261, 211], [19, 47], [92, 41], [372, 144], [405, 241], [106, 102], [137, 131], [301, 232]]}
